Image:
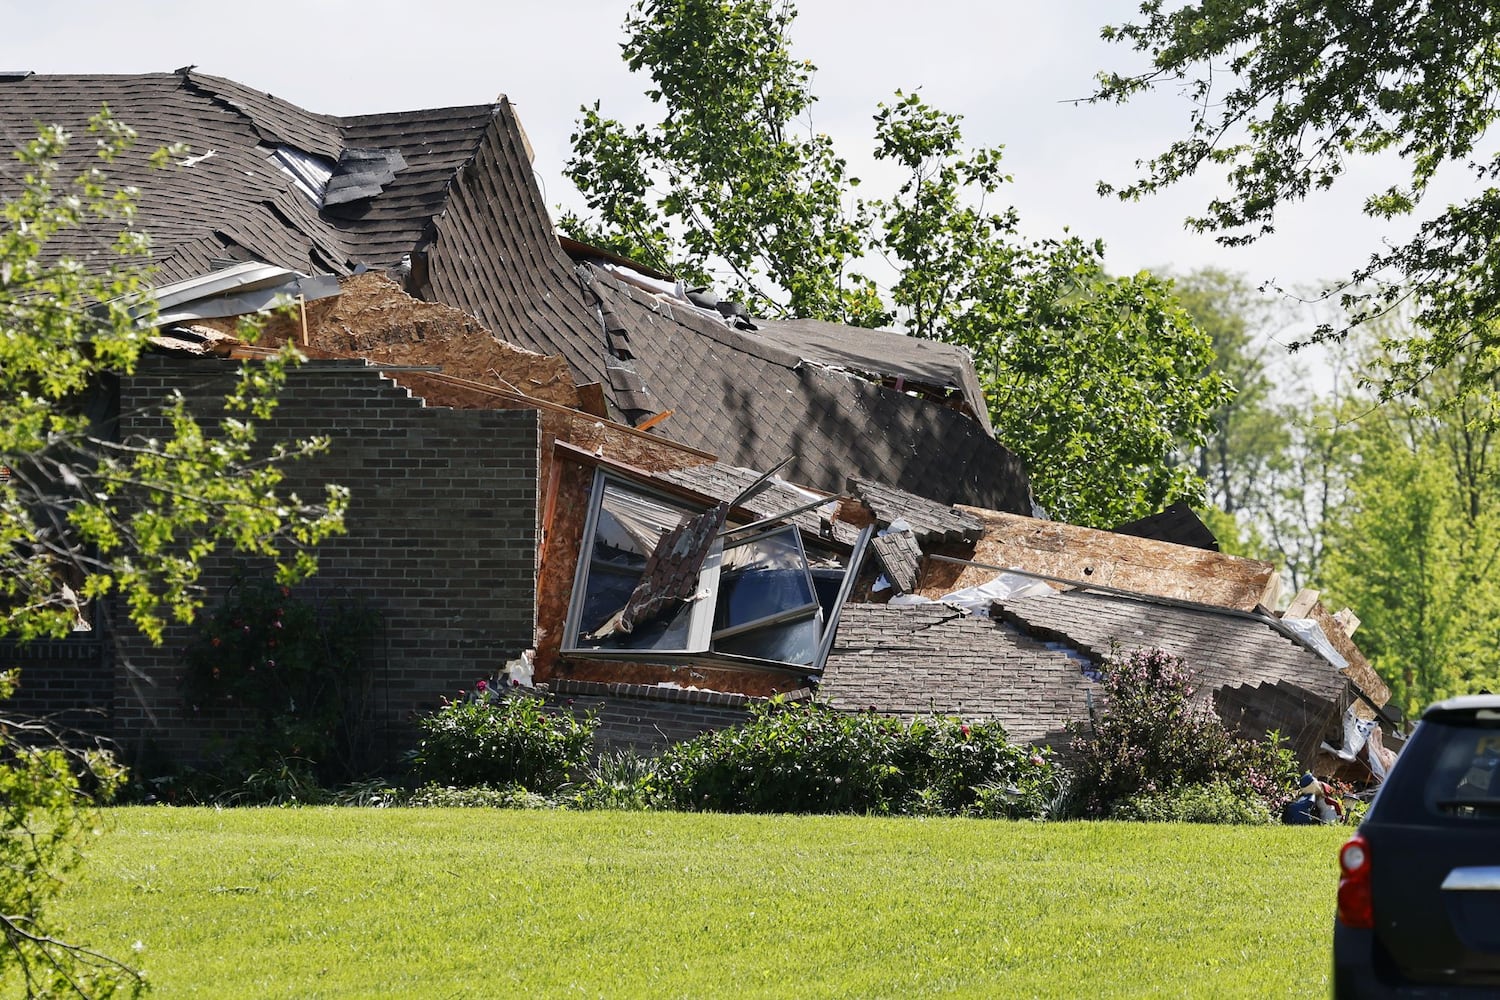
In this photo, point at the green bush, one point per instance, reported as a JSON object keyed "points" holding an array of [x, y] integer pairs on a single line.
{"points": [[294, 672], [621, 779], [1213, 802], [495, 739], [807, 758], [1153, 740]]}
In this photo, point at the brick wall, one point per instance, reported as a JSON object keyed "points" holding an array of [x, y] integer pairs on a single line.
{"points": [[69, 680], [646, 718], [442, 541]]}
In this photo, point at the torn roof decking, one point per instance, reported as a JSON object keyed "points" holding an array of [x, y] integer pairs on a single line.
{"points": [[935, 660], [468, 198], [1104, 558]]}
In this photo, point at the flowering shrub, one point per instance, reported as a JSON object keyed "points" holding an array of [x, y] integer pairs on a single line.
{"points": [[293, 671], [1153, 740], [807, 758], [486, 737]]}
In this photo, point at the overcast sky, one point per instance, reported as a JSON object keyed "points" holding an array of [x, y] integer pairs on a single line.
{"points": [[1012, 69]]}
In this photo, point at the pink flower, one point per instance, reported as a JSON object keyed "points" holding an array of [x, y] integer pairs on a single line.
{"points": [[482, 686], [964, 730]]}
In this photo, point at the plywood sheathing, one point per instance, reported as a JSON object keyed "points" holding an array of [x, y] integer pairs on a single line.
{"points": [[373, 318], [1123, 562], [1339, 628]]}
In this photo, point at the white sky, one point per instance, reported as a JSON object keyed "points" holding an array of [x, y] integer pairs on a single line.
{"points": [[1010, 67]]}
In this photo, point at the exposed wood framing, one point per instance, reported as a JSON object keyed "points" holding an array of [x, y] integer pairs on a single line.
{"points": [[1123, 562]]}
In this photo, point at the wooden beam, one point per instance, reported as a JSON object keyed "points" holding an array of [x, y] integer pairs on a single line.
{"points": [[1302, 604], [1348, 620]]}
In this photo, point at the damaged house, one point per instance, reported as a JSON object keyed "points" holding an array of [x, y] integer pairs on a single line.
{"points": [[677, 506]]}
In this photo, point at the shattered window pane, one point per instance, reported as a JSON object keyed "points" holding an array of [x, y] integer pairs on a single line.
{"points": [[787, 642], [627, 527]]}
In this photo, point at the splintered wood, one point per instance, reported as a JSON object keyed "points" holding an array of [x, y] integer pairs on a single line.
{"points": [[373, 318]]}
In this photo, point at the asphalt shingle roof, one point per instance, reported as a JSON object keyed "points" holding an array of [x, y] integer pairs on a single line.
{"points": [[1224, 647], [935, 660], [464, 209]]}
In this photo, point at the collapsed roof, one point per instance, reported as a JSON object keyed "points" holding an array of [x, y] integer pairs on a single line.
{"points": [[447, 199]]}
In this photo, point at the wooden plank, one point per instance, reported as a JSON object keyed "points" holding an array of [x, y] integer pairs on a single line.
{"points": [[652, 421], [1348, 620], [1124, 562], [1359, 670], [1302, 604], [591, 399]]}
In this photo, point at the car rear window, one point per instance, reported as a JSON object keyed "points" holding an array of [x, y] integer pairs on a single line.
{"points": [[1465, 777]]}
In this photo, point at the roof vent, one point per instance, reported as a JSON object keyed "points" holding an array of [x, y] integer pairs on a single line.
{"points": [[8, 75]]}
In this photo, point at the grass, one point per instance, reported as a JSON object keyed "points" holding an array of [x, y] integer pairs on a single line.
{"points": [[313, 903]]}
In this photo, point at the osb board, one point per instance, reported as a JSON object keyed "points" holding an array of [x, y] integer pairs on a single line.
{"points": [[1124, 562], [754, 683], [373, 318], [559, 557], [1359, 670]]}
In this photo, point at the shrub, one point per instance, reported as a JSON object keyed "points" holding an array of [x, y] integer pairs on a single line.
{"points": [[809, 758], [1154, 740], [489, 738], [1213, 802], [621, 779], [294, 671]]}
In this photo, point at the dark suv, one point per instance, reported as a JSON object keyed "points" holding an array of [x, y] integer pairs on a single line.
{"points": [[1419, 892]]}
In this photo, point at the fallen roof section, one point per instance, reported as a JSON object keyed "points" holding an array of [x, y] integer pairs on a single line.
{"points": [[935, 660], [1103, 558]]}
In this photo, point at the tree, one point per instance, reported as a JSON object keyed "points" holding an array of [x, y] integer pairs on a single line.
{"points": [[85, 516], [736, 184], [1415, 548], [1248, 437], [1090, 378], [1286, 96], [82, 515]]}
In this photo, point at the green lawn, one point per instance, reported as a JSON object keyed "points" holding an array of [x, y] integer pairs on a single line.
{"points": [[423, 903]]}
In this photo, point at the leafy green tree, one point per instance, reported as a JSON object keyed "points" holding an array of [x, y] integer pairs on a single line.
{"points": [[83, 515], [1415, 548], [87, 516], [1092, 379], [1287, 96], [1248, 437], [727, 178]]}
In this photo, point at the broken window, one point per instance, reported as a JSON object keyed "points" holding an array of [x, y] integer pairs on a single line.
{"points": [[624, 528], [663, 576]]}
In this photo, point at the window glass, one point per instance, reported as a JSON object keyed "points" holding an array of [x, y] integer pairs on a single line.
{"points": [[786, 642], [763, 579], [627, 525], [1466, 778]]}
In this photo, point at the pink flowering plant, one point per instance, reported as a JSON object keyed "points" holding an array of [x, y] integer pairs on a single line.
{"points": [[1158, 752]]}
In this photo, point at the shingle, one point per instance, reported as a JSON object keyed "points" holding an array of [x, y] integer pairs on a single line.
{"points": [[1224, 647], [468, 200]]}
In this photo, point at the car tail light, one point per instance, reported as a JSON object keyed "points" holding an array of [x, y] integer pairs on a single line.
{"points": [[1356, 908]]}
